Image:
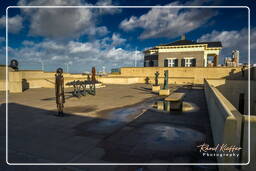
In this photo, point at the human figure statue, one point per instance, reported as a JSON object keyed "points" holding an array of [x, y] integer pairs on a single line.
{"points": [[93, 74], [166, 79], [156, 78], [88, 77], [147, 80], [59, 91]]}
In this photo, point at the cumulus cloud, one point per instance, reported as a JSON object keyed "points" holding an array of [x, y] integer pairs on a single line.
{"points": [[82, 55], [117, 40], [168, 22], [233, 39], [107, 10], [65, 22], [14, 23]]}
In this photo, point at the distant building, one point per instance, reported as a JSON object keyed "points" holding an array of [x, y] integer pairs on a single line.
{"points": [[183, 53], [234, 61]]}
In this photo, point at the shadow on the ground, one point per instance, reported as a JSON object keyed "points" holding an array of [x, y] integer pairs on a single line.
{"points": [[37, 135]]}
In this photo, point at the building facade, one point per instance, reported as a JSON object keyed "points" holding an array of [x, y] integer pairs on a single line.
{"points": [[183, 53], [234, 61]]}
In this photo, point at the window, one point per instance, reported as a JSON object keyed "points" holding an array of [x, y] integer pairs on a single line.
{"points": [[146, 64], [155, 62], [172, 62], [189, 62]]}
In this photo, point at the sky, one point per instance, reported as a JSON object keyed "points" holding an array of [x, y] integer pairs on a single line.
{"points": [[77, 39]]}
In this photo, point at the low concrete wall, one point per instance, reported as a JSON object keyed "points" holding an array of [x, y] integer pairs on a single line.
{"points": [[132, 75], [195, 75], [231, 89], [15, 81], [230, 127], [245, 142], [23, 79], [118, 80], [225, 120]]}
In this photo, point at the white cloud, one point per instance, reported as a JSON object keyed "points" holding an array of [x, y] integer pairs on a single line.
{"points": [[234, 39], [14, 23], [168, 22], [81, 55], [27, 43], [107, 10], [117, 40], [65, 22]]}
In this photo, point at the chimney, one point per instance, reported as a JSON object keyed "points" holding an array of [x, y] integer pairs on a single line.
{"points": [[183, 37]]}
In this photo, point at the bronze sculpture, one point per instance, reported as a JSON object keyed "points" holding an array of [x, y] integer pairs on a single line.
{"points": [[156, 78], [165, 79], [147, 80], [14, 64], [93, 74], [59, 91]]}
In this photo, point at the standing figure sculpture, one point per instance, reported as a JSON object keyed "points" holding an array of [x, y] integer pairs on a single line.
{"points": [[156, 78], [166, 79], [59, 91], [93, 75], [88, 78]]}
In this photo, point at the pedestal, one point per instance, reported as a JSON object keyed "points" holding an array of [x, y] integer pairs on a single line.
{"points": [[155, 89], [15, 82], [164, 92], [160, 105]]}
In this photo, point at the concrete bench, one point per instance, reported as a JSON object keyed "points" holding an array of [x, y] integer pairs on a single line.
{"points": [[175, 101]]}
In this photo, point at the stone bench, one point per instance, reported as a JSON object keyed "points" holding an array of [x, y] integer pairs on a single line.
{"points": [[175, 101]]}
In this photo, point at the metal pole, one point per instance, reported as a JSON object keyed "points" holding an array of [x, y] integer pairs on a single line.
{"points": [[66, 67], [135, 58]]}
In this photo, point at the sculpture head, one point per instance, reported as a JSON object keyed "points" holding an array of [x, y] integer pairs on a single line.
{"points": [[14, 64], [93, 70], [59, 71]]}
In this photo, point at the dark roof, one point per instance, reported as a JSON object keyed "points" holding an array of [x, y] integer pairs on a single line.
{"points": [[211, 44], [189, 42]]}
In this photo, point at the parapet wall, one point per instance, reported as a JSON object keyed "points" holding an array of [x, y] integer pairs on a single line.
{"points": [[232, 89], [132, 75], [229, 126], [183, 75], [225, 120]]}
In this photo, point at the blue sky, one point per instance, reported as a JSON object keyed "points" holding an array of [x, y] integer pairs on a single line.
{"points": [[80, 38]]}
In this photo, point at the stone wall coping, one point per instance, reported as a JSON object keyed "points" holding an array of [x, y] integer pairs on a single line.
{"points": [[227, 106], [184, 67]]}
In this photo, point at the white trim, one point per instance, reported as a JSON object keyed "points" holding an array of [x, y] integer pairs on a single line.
{"points": [[188, 61], [171, 62], [210, 7]]}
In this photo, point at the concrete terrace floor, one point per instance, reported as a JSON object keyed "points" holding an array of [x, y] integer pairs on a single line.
{"points": [[118, 125]]}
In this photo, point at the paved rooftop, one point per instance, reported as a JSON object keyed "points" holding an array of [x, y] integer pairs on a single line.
{"points": [[118, 125]]}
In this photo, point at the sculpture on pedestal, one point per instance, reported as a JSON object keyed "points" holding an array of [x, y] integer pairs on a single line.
{"points": [[93, 74], [156, 78], [59, 91], [165, 79]]}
